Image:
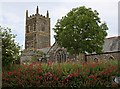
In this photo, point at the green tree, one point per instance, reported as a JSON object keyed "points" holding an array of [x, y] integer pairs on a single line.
{"points": [[10, 49], [81, 31]]}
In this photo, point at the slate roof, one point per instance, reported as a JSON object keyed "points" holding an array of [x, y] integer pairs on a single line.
{"points": [[112, 44], [44, 50]]}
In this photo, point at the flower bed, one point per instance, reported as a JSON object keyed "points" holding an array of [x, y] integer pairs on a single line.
{"points": [[61, 75]]}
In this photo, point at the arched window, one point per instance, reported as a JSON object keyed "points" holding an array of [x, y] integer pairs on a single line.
{"points": [[43, 28], [60, 56], [33, 27]]}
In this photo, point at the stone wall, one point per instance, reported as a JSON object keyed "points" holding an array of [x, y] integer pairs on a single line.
{"points": [[25, 58]]}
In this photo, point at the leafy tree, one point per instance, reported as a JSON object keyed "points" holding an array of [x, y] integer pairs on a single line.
{"points": [[10, 49], [81, 31]]}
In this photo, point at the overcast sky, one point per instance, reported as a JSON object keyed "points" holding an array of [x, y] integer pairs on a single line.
{"points": [[12, 14]]}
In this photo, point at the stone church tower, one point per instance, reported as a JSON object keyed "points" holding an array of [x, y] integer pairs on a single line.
{"points": [[37, 35]]}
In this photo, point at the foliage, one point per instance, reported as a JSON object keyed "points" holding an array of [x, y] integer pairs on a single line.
{"points": [[90, 74], [34, 59], [10, 49], [81, 31]]}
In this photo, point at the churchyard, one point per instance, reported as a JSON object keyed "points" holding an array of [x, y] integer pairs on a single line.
{"points": [[79, 32]]}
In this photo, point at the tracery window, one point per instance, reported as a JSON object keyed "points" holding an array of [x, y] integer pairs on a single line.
{"points": [[60, 56]]}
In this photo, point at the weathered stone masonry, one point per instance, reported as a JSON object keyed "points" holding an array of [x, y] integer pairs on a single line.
{"points": [[104, 56], [37, 33]]}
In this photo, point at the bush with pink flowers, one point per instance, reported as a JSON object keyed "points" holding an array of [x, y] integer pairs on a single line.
{"points": [[90, 74]]}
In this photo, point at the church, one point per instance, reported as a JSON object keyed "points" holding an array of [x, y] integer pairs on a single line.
{"points": [[37, 38]]}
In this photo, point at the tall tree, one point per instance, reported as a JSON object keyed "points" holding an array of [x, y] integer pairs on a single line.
{"points": [[81, 31], [10, 49]]}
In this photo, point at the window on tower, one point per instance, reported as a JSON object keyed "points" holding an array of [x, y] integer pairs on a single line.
{"points": [[43, 28], [33, 27]]}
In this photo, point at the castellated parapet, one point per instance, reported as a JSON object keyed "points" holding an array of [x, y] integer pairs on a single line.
{"points": [[37, 35], [34, 16]]}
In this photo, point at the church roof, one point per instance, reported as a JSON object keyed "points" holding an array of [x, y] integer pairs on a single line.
{"points": [[53, 47], [45, 50], [112, 44]]}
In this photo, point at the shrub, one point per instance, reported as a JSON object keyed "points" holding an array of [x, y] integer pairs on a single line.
{"points": [[61, 75]]}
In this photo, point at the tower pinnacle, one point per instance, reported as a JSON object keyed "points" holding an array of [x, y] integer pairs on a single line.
{"points": [[26, 13], [47, 14], [37, 10]]}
